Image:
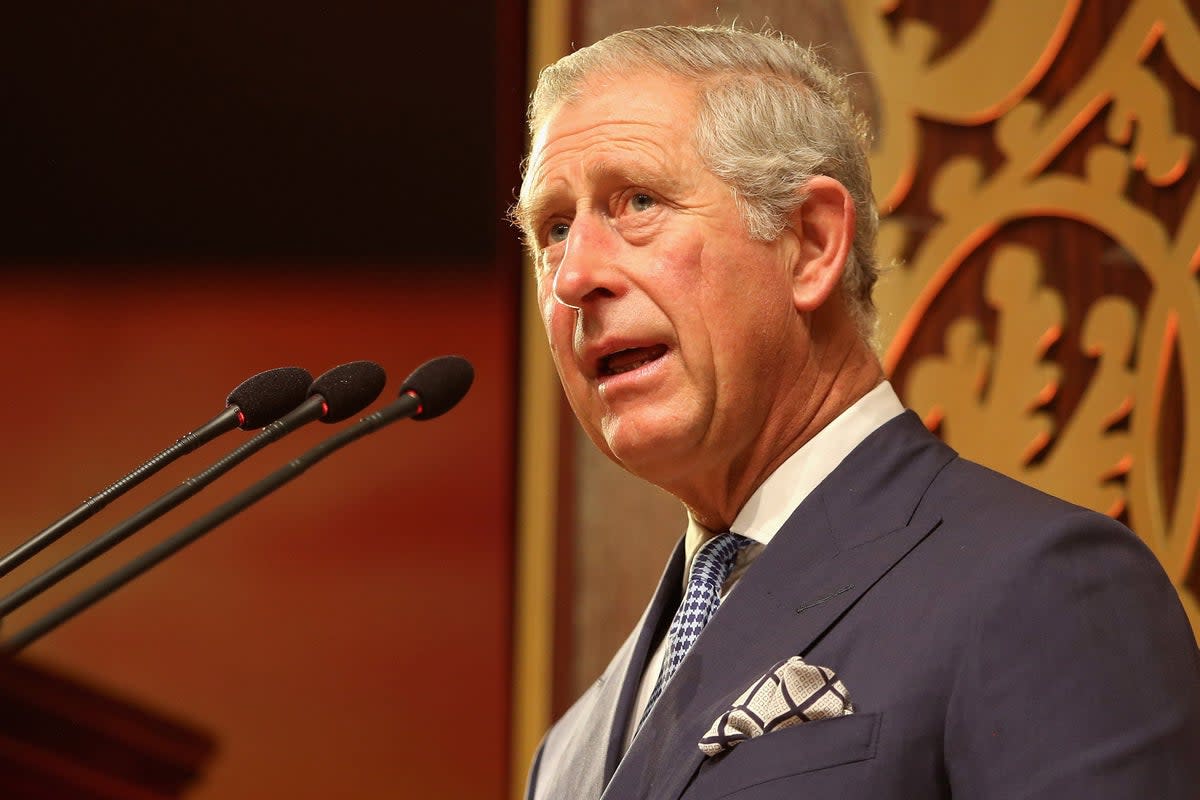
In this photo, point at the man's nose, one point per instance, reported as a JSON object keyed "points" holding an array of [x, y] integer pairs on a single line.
{"points": [[588, 269]]}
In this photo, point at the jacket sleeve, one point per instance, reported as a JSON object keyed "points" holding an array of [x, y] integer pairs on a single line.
{"points": [[1081, 678]]}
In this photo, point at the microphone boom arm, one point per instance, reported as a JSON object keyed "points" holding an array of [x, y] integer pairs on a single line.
{"points": [[406, 405]]}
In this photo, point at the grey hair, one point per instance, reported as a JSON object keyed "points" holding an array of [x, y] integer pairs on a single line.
{"points": [[771, 116]]}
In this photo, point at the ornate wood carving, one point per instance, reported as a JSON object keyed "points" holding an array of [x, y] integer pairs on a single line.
{"points": [[1036, 172]]}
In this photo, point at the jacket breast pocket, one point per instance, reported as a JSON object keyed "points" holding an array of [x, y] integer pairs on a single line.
{"points": [[800, 749]]}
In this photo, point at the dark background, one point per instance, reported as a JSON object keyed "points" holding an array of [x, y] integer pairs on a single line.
{"points": [[305, 132]]}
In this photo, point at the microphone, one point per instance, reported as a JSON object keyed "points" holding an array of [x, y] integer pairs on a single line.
{"points": [[255, 402], [339, 393], [433, 389]]}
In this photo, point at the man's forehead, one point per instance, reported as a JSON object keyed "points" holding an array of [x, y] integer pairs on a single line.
{"points": [[646, 96], [641, 106]]}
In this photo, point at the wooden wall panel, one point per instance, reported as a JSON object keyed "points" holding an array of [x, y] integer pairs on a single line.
{"points": [[1045, 314]]}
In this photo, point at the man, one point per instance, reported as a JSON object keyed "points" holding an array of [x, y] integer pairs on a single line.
{"points": [[894, 622]]}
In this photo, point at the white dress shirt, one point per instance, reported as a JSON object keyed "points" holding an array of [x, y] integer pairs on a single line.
{"points": [[774, 501]]}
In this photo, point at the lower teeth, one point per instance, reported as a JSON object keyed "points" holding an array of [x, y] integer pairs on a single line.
{"points": [[619, 370]]}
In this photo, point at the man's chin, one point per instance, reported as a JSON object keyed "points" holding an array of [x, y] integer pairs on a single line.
{"points": [[649, 455]]}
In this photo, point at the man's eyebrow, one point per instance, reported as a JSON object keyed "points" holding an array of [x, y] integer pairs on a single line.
{"points": [[632, 173], [539, 203], [531, 208]]}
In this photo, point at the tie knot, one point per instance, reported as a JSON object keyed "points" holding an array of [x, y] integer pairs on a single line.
{"points": [[714, 561]]}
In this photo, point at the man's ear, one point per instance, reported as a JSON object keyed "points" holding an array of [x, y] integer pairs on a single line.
{"points": [[824, 228]]}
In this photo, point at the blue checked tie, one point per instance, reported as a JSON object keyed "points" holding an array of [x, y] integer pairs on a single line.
{"points": [[710, 570]]}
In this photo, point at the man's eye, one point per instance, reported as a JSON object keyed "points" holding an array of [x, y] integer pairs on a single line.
{"points": [[641, 202], [558, 232]]}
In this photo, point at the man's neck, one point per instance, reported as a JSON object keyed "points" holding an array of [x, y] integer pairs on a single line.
{"points": [[714, 497]]}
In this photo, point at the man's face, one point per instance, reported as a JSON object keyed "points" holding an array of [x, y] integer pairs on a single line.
{"points": [[674, 332]]}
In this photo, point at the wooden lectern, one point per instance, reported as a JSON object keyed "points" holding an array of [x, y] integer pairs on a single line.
{"points": [[61, 740]]}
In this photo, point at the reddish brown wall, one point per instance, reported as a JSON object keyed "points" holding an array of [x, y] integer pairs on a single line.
{"points": [[349, 636]]}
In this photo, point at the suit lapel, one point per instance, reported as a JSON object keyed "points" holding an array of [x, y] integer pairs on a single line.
{"points": [[582, 751], [652, 627], [840, 541]]}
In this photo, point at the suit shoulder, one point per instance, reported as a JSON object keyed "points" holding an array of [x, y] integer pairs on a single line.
{"points": [[996, 530], [968, 492]]}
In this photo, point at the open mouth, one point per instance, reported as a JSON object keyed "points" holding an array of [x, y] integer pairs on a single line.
{"points": [[629, 359]]}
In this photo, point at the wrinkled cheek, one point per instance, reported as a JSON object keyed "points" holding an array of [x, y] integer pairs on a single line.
{"points": [[575, 385], [558, 331], [546, 305], [606, 434], [558, 320]]}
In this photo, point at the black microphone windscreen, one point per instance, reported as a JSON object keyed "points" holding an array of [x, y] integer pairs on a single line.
{"points": [[349, 388], [269, 395], [440, 384]]}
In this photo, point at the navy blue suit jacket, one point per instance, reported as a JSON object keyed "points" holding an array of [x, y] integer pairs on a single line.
{"points": [[997, 643]]}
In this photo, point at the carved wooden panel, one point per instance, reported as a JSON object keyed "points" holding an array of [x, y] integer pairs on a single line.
{"points": [[1036, 165]]}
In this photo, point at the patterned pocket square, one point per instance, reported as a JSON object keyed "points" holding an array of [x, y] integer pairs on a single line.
{"points": [[791, 693]]}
